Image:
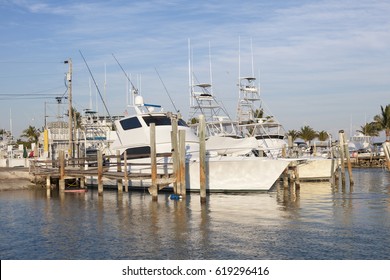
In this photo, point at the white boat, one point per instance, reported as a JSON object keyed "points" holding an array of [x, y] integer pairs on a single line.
{"points": [[270, 133], [360, 142], [224, 173]]}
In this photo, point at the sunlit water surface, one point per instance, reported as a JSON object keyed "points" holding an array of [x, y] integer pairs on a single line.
{"points": [[313, 222]]}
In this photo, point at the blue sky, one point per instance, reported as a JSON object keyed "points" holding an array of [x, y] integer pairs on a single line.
{"points": [[325, 64]]}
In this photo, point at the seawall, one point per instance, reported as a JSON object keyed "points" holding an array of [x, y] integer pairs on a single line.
{"points": [[15, 178]]}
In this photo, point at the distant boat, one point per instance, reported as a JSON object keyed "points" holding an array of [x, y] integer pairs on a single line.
{"points": [[359, 141]]}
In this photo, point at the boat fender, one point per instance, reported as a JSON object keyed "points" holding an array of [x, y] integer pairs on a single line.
{"points": [[175, 197]]}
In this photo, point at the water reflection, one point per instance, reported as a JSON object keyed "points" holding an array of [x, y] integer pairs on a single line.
{"points": [[315, 221]]}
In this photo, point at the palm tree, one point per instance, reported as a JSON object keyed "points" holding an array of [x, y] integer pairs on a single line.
{"points": [[307, 134], [370, 129], [31, 133], [77, 116], [258, 113], [293, 133], [323, 135], [383, 121]]}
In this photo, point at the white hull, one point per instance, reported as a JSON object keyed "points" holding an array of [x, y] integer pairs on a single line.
{"points": [[236, 174], [224, 174], [316, 169]]}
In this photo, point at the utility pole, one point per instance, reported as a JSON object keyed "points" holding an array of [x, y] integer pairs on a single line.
{"points": [[70, 115]]}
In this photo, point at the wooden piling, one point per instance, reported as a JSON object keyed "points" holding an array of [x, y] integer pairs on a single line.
{"points": [[342, 157], [119, 169], [175, 153], [153, 161], [285, 178], [61, 159], [349, 165], [202, 158], [100, 172], [296, 175], [290, 145], [182, 163], [48, 183], [126, 177], [386, 150], [332, 168]]}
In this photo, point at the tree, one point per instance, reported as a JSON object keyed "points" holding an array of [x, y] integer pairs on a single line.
{"points": [[383, 121], [370, 129], [293, 133], [307, 134], [31, 133], [194, 121], [258, 113], [77, 117], [323, 135]]}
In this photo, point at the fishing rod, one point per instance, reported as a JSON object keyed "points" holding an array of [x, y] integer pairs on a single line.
{"points": [[166, 90], [101, 97], [124, 72]]}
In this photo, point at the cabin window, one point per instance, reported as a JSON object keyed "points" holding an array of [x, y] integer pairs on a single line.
{"points": [[182, 123], [143, 151], [130, 123], [162, 120], [158, 120]]}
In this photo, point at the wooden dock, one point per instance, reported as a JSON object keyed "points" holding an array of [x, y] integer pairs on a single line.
{"points": [[120, 167]]}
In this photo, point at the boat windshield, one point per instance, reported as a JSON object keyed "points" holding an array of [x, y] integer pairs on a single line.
{"points": [[130, 123], [161, 120]]}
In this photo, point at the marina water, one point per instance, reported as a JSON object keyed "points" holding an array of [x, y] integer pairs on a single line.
{"points": [[316, 221]]}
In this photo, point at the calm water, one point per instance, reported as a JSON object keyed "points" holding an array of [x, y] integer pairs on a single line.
{"points": [[315, 222]]}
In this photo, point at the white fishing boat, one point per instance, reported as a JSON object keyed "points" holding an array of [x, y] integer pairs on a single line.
{"points": [[222, 134], [270, 134], [224, 172], [360, 142]]}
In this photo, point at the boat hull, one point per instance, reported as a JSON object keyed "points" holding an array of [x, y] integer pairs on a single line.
{"points": [[315, 169], [236, 174], [223, 174]]}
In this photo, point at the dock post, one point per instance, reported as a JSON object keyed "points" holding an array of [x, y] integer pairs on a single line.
{"points": [[153, 162], [182, 163], [48, 185], [126, 172], [284, 154], [342, 156], [285, 178], [202, 158], [332, 168], [349, 165], [386, 150], [119, 170], [61, 159], [175, 154], [296, 175], [290, 146], [100, 172]]}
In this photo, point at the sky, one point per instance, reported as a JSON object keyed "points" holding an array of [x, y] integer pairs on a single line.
{"points": [[321, 63]]}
